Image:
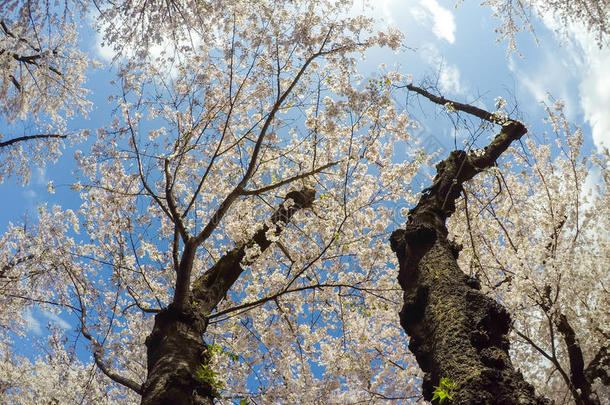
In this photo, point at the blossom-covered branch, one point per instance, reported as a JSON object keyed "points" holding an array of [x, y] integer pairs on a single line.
{"points": [[215, 283]]}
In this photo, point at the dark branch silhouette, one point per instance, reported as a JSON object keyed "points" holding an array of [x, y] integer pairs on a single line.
{"points": [[29, 138]]}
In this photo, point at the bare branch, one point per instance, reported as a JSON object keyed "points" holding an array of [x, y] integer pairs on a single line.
{"points": [[467, 108], [98, 353], [256, 303], [99, 361], [288, 180], [30, 137]]}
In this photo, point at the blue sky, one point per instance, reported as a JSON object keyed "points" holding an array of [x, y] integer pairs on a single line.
{"points": [[458, 46]]}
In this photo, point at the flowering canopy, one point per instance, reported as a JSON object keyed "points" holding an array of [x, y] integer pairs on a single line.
{"points": [[228, 113]]}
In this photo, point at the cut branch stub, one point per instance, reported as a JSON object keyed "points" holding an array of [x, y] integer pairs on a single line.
{"points": [[410, 244], [302, 198], [213, 285]]}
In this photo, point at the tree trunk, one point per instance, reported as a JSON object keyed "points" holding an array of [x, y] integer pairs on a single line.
{"points": [[178, 358], [176, 352], [457, 334]]}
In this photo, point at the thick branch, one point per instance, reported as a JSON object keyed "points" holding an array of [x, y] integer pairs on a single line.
{"points": [[438, 201], [214, 284], [171, 204], [467, 108], [30, 60], [14, 263], [581, 385], [184, 272], [175, 349], [239, 188]]}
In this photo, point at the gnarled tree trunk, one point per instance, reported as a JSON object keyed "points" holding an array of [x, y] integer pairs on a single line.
{"points": [[456, 332]]}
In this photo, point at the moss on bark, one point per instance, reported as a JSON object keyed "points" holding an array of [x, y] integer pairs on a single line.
{"points": [[458, 333], [455, 331]]}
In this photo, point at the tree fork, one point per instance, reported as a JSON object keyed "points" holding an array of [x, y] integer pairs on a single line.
{"points": [[456, 332], [175, 347]]}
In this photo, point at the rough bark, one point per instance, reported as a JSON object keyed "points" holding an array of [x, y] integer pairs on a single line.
{"points": [[175, 347], [455, 331]]}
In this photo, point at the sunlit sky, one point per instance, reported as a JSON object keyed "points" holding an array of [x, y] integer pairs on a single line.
{"points": [[456, 46]]}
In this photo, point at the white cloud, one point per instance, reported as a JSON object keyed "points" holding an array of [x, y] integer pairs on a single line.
{"points": [[595, 101], [108, 54], [33, 324], [56, 320], [449, 78], [384, 9], [550, 72], [158, 53], [104, 52], [595, 91], [594, 87], [30, 195], [40, 177], [442, 19], [99, 48]]}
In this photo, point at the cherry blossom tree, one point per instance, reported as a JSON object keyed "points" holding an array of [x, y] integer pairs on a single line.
{"points": [[516, 16], [43, 73], [234, 218], [231, 244], [552, 277], [460, 335], [43, 70]]}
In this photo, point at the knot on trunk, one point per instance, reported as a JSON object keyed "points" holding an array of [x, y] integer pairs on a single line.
{"points": [[455, 248], [410, 245]]}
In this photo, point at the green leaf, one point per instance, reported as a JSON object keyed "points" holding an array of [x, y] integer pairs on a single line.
{"points": [[444, 390]]}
